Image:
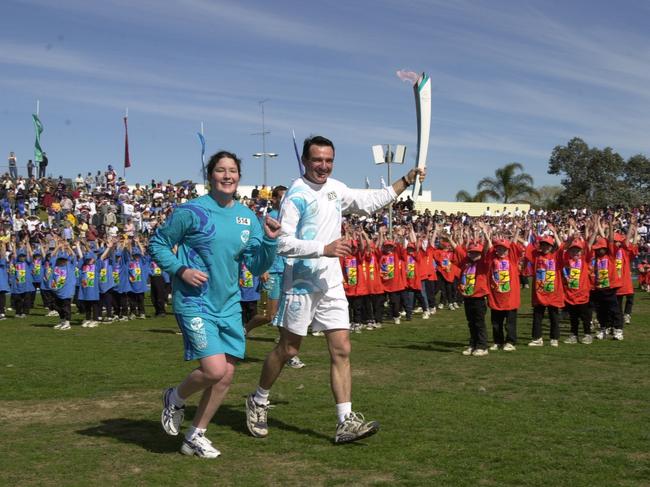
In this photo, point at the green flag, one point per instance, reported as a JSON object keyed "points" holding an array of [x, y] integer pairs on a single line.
{"points": [[38, 127]]}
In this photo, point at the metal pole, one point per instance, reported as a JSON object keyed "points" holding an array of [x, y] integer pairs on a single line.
{"points": [[389, 160], [263, 140]]}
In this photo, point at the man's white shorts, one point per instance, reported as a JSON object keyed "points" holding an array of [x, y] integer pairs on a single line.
{"points": [[322, 310]]}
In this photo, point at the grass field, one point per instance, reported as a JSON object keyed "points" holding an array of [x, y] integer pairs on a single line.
{"points": [[82, 407]]}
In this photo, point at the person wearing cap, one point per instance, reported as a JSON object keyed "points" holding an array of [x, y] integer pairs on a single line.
{"points": [[376, 293], [4, 279], [390, 272], [626, 251], [21, 279], [644, 275], [63, 282], [137, 263], [446, 274], [575, 278], [310, 237], [412, 274], [547, 292], [473, 286], [504, 298], [606, 280], [350, 267], [213, 235]]}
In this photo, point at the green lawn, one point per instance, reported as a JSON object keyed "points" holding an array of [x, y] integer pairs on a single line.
{"points": [[82, 407]]}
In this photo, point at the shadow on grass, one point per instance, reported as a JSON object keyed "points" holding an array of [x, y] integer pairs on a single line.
{"points": [[169, 331], [260, 339], [43, 325], [235, 419], [434, 346], [143, 432]]}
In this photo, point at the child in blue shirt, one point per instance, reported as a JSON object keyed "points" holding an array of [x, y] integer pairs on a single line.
{"points": [[21, 280], [63, 282]]}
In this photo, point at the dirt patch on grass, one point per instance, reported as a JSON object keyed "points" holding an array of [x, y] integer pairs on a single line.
{"points": [[78, 410]]}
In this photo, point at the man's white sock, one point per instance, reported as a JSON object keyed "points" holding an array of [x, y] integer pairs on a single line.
{"points": [[261, 396], [342, 410], [192, 431]]}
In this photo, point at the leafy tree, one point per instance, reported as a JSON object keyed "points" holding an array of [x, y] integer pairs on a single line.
{"points": [[637, 179], [507, 186], [590, 176], [466, 197], [547, 197]]}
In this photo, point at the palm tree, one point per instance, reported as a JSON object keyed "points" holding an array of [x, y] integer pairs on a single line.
{"points": [[466, 197], [507, 186]]}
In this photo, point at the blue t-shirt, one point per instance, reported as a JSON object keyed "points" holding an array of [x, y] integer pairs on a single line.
{"points": [[21, 277], [89, 280], [4, 276], [214, 240], [63, 279]]}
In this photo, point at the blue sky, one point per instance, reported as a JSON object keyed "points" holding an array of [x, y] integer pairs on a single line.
{"points": [[511, 80]]}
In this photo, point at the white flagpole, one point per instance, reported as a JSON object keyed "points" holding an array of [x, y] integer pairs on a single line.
{"points": [[38, 106]]}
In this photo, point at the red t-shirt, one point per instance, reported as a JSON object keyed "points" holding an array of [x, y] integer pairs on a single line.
{"points": [[375, 285], [605, 274], [575, 278], [350, 267], [473, 275], [429, 264], [444, 259], [624, 254], [412, 272], [504, 279], [547, 288], [390, 270]]}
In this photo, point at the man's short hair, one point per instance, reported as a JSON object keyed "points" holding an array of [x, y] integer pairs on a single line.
{"points": [[276, 191], [318, 140]]}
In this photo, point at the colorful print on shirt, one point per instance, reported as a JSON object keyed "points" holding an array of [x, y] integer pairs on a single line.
{"points": [[619, 262], [36, 270], [103, 275], [602, 273], [387, 267], [21, 272], [371, 268], [60, 276], [155, 270], [116, 273], [88, 279], [135, 272], [410, 267], [468, 280], [246, 277], [351, 270], [446, 265], [545, 276], [501, 275], [572, 273]]}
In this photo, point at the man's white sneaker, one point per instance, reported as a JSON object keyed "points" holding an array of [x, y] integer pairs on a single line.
{"points": [[571, 340], [537, 342], [587, 339], [256, 418], [295, 363], [627, 318], [200, 446], [354, 427], [172, 416], [468, 351], [480, 352], [555, 343], [509, 347], [618, 334]]}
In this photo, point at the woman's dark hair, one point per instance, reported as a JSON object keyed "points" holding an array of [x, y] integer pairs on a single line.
{"points": [[223, 155], [315, 140]]}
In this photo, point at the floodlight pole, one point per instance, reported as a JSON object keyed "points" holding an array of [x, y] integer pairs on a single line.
{"points": [[390, 157]]}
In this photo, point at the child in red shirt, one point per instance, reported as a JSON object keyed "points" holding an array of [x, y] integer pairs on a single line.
{"points": [[626, 251], [390, 271], [577, 286], [547, 293]]}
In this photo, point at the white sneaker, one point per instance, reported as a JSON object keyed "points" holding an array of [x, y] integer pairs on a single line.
{"points": [[609, 331], [58, 327], [92, 324], [555, 343], [376, 325], [256, 418], [441, 306], [317, 334], [494, 348], [587, 339], [600, 335], [142, 316], [132, 316], [418, 310], [451, 307], [627, 318], [402, 314], [468, 351], [354, 427], [571, 340], [172, 416], [52, 313], [538, 342], [84, 323], [425, 315], [618, 334], [295, 363], [124, 318], [509, 347], [65, 325], [433, 310], [200, 446], [397, 320], [480, 352]]}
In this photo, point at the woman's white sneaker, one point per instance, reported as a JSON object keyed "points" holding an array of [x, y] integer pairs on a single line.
{"points": [[200, 446]]}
